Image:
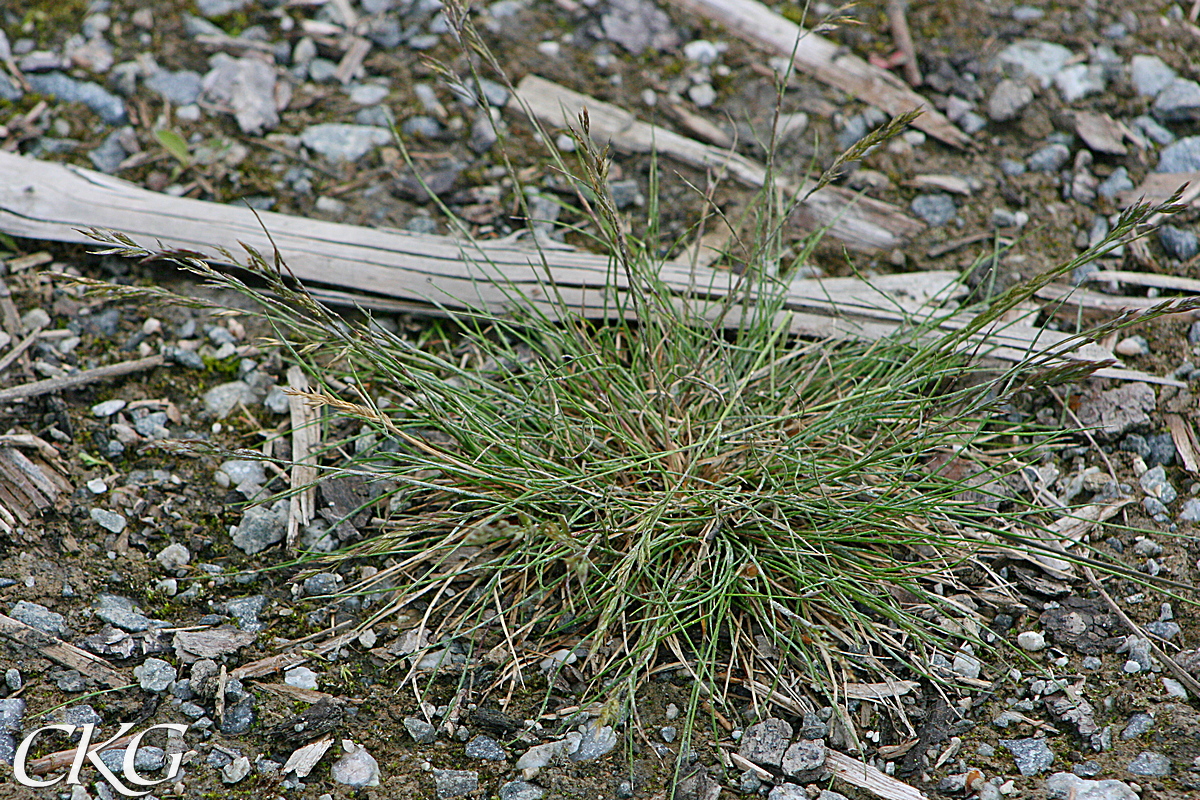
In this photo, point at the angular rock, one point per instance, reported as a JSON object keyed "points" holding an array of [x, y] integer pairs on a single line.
{"points": [[485, 748], [1032, 756], [1008, 99], [1118, 411], [1150, 764], [521, 790], [455, 782], [639, 24], [245, 87], [804, 760], [357, 768], [765, 743], [1178, 102], [341, 142], [1181, 156], [1065, 786], [1033, 57], [1149, 75]]}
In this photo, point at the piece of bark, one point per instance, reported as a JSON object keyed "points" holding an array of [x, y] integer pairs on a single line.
{"points": [[862, 223], [306, 438], [63, 653], [817, 56], [857, 773], [1186, 444], [1100, 132], [51, 201]]}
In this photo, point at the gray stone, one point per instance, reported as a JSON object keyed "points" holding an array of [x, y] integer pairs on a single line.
{"points": [[245, 86], [455, 782], [1116, 412], [1154, 483], [936, 209], [1149, 75], [38, 616], [12, 681], [1190, 511], [540, 755], [422, 127], [486, 748], [124, 618], [966, 664], [787, 791], [70, 681], [1182, 156], [702, 94], [107, 408], [598, 740], [146, 759], [1008, 99], [1065, 786], [420, 730], [12, 711], [639, 24], [1032, 641], [238, 717], [1032, 756], [323, 583], [1153, 131], [358, 768], [1033, 57], [1027, 13], [369, 94], [1163, 630], [1118, 181], [1138, 724], [302, 678], [219, 8], [180, 88], [1149, 764], [341, 142], [1078, 81], [1050, 158], [261, 527], [246, 610], [813, 727], [107, 105], [765, 743], [223, 398], [1086, 769], [155, 675], [1179, 102], [109, 520], [521, 790], [483, 133], [804, 759], [109, 155], [1178, 243]]}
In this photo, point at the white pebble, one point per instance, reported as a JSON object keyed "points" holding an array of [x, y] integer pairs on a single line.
{"points": [[97, 486], [1031, 641], [1132, 346]]}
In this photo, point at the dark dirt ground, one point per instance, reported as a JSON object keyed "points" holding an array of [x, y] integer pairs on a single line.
{"points": [[61, 558]]}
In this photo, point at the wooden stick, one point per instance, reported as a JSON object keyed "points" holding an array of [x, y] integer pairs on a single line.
{"points": [[903, 38], [21, 347], [825, 60], [38, 388], [62, 652]]}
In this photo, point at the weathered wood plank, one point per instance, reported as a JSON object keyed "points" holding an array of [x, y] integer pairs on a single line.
{"points": [[862, 223], [817, 56], [55, 202]]}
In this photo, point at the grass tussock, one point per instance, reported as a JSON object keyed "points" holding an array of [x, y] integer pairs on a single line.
{"points": [[677, 489]]}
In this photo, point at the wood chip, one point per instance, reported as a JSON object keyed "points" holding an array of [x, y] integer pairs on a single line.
{"points": [[942, 183], [1183, 434], [1158, 187], [63, 653], [191, 646], [879, 691], [865, 776], [306, 438], [303, 760], [1100, 132]]}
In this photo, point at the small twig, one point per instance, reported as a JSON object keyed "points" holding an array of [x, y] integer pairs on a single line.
{"points": [[64, 758], [38, 388], [903, 40], [1179, 672], [19, 348]]}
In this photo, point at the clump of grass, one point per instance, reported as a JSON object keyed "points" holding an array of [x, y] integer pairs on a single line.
{"points": [[678, 489]]}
